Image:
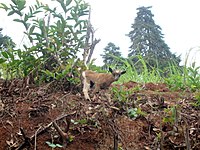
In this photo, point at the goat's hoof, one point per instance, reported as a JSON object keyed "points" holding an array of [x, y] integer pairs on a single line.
{"points": [[87, 98]]}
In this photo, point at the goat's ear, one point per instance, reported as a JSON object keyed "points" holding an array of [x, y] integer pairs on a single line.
{"points": [[110, 70], [123, 72]]}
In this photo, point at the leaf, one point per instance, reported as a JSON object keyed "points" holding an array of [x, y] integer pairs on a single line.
{"points": [[51, 144], [30, 9], [11, 13], [68, 2], [58, 145], [3, 6], [11, 56], [18, 20], [77, 23], [31, 30], [49, 73], [82, 121], [27, 25], [19, 52], [4, 54], [26, 17], [2, 60], [21, 4]]}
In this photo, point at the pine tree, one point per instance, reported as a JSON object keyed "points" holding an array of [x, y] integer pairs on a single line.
{"points": [[147, 41], [110, 53]]}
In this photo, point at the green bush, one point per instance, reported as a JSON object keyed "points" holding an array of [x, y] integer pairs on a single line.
{"points": [[56, 34]]}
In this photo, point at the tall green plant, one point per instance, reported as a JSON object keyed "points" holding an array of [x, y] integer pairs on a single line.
{"points": [[56, 34], [132, 74]]}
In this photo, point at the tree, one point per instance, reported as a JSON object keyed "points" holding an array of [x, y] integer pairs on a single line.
{"points": [[147, 41], [110, 54], [5, 41]]}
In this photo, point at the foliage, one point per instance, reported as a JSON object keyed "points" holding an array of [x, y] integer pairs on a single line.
{"points": [[170, 115], [133, 113], [52, 145], [147, 42], [193, 77], [6, 44], [174, 78], [197, 97], [54, 42], [109, 51], [5, 41], [120, 94], [82, 121], [132, 74], [186, 77]]}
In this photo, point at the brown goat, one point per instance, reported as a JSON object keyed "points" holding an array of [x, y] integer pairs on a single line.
{"points": [[99, 80]]}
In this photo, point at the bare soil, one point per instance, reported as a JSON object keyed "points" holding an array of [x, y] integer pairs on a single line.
{"points": [[56, 112]]}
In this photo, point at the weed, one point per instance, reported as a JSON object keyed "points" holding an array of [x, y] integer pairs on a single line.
{"points": [[170, 115], [194, 77], [197, 97], [82, 121], [133, 113], [120, 94]]}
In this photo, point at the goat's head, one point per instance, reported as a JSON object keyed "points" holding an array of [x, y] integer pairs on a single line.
{"points": [[116, 73]]}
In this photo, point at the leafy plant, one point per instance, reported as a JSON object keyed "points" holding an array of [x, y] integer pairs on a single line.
{"points": [[197, 97], [120, 94], [194, 77], [170, 115], [56, 34], [133, 113], [81, 121]]}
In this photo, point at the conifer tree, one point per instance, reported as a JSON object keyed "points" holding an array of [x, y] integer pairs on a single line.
{"points": [[147, 41], [110, 53]]}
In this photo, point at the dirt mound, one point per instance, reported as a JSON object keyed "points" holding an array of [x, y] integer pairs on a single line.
{"points": [[139, 116]]}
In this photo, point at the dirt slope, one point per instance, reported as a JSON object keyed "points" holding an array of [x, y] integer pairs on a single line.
{"points": [[32, 116]]}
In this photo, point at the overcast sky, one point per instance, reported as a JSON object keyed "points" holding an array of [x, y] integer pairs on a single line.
{"points": [[179, 21]]}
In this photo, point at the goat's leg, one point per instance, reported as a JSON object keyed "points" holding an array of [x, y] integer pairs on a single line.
{"points": [[86, 87], [96, 89]]}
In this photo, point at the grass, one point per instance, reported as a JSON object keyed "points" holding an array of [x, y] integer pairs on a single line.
{"points": [[187, 76]]}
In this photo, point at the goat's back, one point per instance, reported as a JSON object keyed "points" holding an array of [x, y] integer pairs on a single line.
{"points": [[98, 77]]}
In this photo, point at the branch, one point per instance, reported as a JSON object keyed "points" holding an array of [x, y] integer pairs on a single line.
{"points": [[92, 49], [89, 48], [27, 140]]}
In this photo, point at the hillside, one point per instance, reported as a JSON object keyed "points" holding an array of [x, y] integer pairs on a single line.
{"points": [[129, 116]]}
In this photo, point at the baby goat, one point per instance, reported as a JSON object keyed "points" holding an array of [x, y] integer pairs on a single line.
{"points": [[99, 80]]}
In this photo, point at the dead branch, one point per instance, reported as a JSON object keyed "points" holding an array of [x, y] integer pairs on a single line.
{"points": [[63, 134], [187, 137], [115, 141], [92, 49], [28, 140], [36, 138], [86, 49], [89, 48]]}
